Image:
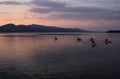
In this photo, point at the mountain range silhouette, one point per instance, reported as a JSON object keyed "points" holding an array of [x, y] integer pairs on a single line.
{"points": [[36, 28]]}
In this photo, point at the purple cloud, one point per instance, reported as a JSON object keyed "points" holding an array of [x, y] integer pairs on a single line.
{"points": [[42, 6], [10, 3], [63, 11], [46, 3]]}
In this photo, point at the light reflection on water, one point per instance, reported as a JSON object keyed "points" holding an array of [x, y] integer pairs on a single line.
{"points": [[36, 55]]}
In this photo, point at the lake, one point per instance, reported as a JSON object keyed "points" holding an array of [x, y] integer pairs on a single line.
{"points": [[40, 56]]}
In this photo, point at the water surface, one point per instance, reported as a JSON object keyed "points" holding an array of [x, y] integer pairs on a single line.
{"points": [[39, 56]]}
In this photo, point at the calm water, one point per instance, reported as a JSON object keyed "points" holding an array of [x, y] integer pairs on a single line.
{"points": [[39, 56]]}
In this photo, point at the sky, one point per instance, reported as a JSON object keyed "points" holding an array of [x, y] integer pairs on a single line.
{"points": [[99, 15]]}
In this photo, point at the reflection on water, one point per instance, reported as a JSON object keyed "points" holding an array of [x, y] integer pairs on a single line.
{"points": [[41, 56]]}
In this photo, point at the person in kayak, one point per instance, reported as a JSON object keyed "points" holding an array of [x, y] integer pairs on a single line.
{"points": [[107, 41], [92, 40], [55, 38], [79, 39]]}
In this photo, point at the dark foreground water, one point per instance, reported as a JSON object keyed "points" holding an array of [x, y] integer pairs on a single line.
{"points": [[39, 56]]}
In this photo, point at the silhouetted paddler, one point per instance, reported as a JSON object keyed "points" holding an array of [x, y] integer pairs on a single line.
{"points": [[79, 39], [92, 40], [93, 43], [55, 38], [107, 41]]}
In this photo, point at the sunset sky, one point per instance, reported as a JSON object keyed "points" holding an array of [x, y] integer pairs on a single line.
{"points": [[98, 15]]}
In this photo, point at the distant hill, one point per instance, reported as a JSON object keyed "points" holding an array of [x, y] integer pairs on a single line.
{"points": [[113, 31], [36, 28]]}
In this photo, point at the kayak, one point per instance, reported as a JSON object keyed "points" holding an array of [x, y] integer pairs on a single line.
{"points": [[93, 44], [108, 41]]}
